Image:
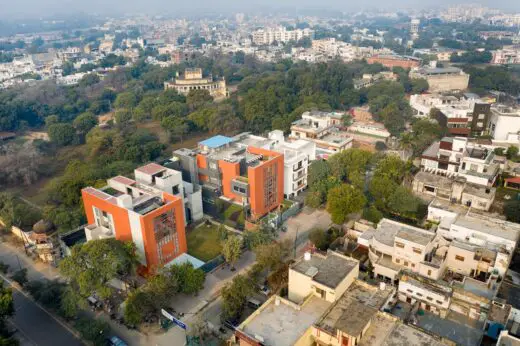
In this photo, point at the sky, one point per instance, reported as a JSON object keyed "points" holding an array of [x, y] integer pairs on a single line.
{"points": [[20, 9]]}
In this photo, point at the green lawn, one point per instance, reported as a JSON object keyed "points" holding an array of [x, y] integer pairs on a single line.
{"points": [[204, 243]]}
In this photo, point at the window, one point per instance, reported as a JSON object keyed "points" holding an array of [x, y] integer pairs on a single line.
{"points": [[409, 290], [429, 272], [429, 189], [397, 260], [175, 189], [413, 265], [417, 250], [406, 263], [459, 258], [438, 302], [418, 294], [429, 298], [398, 244]]}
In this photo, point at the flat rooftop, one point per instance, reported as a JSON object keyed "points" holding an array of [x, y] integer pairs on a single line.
{"points": [[328, 270], [498, 228], [461, 334], [216, 141], [385, 331], [354, 309], [284, 324], [434, 179], [387, 230]]}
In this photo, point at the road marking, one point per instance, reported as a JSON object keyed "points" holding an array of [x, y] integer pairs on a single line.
{"points": [[19, 329], [70, 330]]}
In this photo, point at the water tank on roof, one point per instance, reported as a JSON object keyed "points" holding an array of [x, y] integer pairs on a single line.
{"points": [[307, 256]]}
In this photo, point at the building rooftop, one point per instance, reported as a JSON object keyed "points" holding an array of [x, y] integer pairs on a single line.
{"points": [[438, 70], [328, 270], [284, 323], [151, 169], [216, 141], [498, 228], [415, 236], [355, 309], [386, 331], [460, 333], [387, 230], [438, 180]]}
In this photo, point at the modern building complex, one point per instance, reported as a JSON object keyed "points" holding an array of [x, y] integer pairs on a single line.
{"points": [[248, 176], [391, 61], [324, 129], [297, 156], [462, 115], [194, 80], [462, 157], [442, 79], [280, 34], [150, 210]]}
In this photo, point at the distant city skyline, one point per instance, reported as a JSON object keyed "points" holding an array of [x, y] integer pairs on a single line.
{"points": [[29, 9]]}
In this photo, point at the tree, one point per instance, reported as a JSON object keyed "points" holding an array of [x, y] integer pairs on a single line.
{"points": [[20, 276], [512, 152], [231, 249], [381, 188], [126, 99], [344, 200], [511, 209], [419, 85], [271, 255], [62, 134], [318, 170], [188, 279], [403, 202], [177, 127], [319, 238], [93, 264], [234, 296], [93, 330], [6, 311], [372, 214], [197, 99], [51, 120], [85, 122], [89, 80], [123, 116]]}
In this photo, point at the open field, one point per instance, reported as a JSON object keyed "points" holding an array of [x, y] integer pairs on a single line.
{"points": [[204, 242]]}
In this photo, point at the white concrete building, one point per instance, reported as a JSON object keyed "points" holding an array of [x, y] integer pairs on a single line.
{"points": [[461, 157], [268, 36], [504, 124], [297, 157], [324, 129]]}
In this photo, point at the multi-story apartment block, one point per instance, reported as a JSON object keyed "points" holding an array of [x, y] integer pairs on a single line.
{"points": [[249, 176], [506, 56], [324, 129], [465, 115], [391, 61], [297, 157], [268, 36], [461, 157], [453, 190], [193, 80], [150, 210], [442, 79], [504, 124]]}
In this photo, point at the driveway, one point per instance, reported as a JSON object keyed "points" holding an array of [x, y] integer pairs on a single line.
{"points": [[299, 226]]}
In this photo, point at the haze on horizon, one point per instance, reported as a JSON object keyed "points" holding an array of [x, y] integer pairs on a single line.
{"points": [[28, 9]]}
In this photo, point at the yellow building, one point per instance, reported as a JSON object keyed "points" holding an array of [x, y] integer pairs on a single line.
{"points": [[194, 80]]}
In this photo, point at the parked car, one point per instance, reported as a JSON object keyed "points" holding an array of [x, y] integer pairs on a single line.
{"points": [[265, 290], [231, 324], [116, 341]]}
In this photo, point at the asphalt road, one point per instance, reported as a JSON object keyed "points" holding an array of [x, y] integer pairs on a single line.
{"points": [[35, 326]]}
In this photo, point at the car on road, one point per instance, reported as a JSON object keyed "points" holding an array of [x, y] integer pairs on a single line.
{"points": [[264, 289], [231, 324], [116, 341]]}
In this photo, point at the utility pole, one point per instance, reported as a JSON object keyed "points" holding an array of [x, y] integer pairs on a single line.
{"points": [[295, 241]]}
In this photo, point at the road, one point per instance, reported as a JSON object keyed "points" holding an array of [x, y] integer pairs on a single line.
{"points": [[35, 326]]}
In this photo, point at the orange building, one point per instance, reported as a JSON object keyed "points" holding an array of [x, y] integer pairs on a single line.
{"points": [[250, 176], [148, 211], [390, 61]]}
